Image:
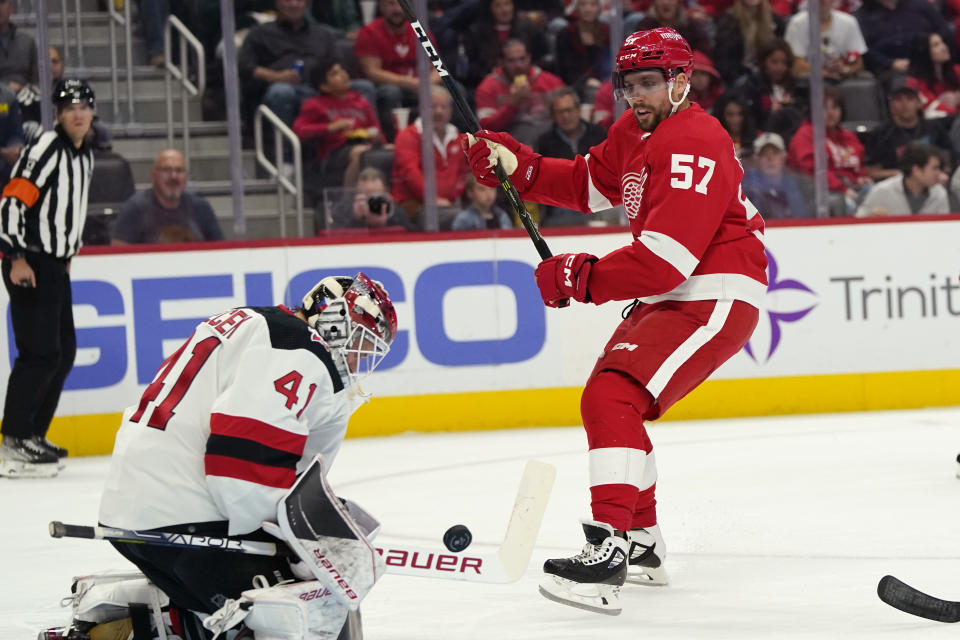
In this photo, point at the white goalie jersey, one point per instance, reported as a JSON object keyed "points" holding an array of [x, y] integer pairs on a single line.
{"points": [[229, 420]]}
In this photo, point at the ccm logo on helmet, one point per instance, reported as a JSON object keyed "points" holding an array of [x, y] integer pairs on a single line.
{"points": [[624, 345]]}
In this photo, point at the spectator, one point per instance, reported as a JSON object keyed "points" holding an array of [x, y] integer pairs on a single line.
{"points": [[742, 30], [934, 75], [670, 13], [569, 136], [706, 84], [497, 22], [339, 123], [775, 101], [166, 212], [451, 164], [387, 50], [731, 111], [274, 56], [29, 94], [841, 42], [583, 49], [153, 16], [345, 16], [845, 155], [513, 97], [355, 210], [776, 191], [885, 143], [888, 27], [18, 53], [917, 189], [483, 212], [603, 111], [11, 132]]}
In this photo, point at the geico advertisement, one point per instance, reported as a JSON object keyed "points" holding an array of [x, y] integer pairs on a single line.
{"points": [[843, 299]]}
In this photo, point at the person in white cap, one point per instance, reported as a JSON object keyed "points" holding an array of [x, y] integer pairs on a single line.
{"points": [[778, 192]]}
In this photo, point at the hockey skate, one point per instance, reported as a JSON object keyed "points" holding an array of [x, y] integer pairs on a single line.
{"points": [[23, 458], [592, 579], [647, 553], [46, 445]]}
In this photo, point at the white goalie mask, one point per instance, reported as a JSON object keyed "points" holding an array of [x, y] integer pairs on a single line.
{"points": [[356, 319]]}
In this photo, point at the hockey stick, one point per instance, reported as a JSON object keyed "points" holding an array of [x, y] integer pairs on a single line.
{"points": [[505, 565], [471, 119], [902, 596]]}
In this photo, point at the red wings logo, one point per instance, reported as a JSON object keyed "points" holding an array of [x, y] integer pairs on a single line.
{"points": [[631, 188]]}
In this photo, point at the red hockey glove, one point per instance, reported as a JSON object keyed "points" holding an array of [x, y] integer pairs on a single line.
{"points": [[564, 276], [518, 160]]}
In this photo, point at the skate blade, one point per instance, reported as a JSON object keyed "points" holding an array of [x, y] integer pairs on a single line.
{"points": [[15, 469], [648, 576], [596, 598]]}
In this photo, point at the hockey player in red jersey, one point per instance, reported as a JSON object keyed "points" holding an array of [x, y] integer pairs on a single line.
{"points": [[232, 417], [696, 270]]}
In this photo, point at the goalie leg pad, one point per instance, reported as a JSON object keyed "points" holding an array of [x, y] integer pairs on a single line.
{"points": [[102, 602], [323, 534], [291, 611]]}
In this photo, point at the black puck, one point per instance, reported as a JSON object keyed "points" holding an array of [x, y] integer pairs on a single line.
{"points": [[457, 538]]}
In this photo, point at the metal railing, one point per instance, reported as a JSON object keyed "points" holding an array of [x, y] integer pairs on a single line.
{"points": [[124, 21], [284, 184], [78, 62], [181, 73]]}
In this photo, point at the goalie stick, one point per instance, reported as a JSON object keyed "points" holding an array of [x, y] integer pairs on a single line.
{"points": [[900, 595], [505, 565]]}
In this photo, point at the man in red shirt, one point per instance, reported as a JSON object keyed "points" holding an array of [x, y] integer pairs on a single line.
{"points": [[696, 271], [451, 168], [513, 97], [387, 50]]}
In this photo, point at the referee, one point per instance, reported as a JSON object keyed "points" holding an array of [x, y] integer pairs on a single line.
{"points": [[42, 211]]}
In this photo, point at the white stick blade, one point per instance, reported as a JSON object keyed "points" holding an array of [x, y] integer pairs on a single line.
{"points": [[527, 516]]}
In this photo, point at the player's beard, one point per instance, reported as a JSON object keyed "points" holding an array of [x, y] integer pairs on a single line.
{"points": [[652, 119]]}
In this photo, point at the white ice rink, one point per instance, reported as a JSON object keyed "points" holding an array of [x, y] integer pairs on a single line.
{"points": [[776, 528]]}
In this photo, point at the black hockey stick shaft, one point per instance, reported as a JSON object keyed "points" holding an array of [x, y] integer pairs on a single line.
{"points": [[168, 539], [471, 119], [900, 595]]}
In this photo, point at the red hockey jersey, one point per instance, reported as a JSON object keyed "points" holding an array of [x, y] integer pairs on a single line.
{"points": [[696, 235]]}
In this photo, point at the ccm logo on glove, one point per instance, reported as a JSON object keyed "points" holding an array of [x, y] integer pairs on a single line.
{"points": [[564, 276]]}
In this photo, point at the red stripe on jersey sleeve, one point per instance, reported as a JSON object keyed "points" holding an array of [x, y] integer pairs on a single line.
{"points": [[222, 424], [227, 467]]}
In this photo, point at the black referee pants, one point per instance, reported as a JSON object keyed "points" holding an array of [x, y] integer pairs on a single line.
{"points": [[46, 344]]}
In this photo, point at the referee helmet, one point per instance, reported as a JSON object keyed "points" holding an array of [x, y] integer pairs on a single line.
{"points": [[73, 91]]}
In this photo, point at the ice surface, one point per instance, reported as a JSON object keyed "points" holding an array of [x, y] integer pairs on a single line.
{"points": [[775, 527]]}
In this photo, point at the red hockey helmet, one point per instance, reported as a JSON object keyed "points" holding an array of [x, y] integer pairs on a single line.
{"points": [[663, 49]]}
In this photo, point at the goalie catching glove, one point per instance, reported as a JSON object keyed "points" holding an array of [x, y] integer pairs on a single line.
{"points": [[564, 276], [485, 148]]}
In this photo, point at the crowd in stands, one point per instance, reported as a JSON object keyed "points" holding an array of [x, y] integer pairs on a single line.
{"points": [[540, 70], [342, 74]]}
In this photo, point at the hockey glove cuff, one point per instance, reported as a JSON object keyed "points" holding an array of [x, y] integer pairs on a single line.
{"points": [[519, 161], [564, 276]]}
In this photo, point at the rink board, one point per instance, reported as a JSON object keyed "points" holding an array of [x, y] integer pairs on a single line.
{"points": [[859, 316]]}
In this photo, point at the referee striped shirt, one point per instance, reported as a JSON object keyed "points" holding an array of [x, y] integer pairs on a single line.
{"points": [[44, 205]]}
